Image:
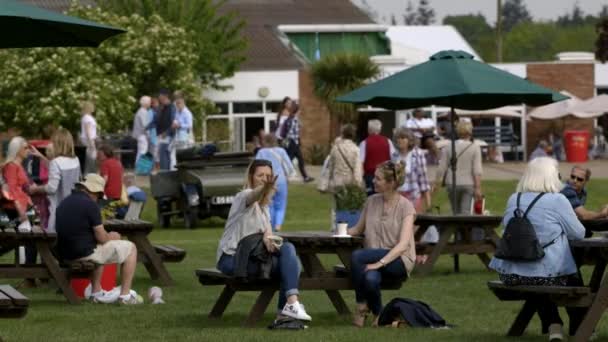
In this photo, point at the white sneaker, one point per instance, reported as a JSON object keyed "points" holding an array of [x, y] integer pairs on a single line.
{"points": [[295, 310], [105, 297], [24, 227], [131, 299]]}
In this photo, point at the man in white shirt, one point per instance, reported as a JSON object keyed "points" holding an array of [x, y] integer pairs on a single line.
{"points": [[424, 130]]}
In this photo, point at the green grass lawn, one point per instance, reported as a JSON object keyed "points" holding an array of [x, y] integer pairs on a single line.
{"points": [[462, 299]]}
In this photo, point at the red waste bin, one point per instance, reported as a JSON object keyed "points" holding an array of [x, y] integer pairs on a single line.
{"points": [[577, 146], [108, 281]]}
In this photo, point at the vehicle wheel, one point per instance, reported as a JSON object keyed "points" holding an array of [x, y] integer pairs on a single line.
{"points": [[190, 218]]}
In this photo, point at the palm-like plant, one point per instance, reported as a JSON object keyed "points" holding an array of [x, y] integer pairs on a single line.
{"points": [[338, 74]]}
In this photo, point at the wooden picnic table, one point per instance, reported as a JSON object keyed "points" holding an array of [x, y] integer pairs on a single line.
{"points": [[12, 303], [137, 231], [595, 249], [593, 295], [458, 227], [11, 239], [309, 245]]}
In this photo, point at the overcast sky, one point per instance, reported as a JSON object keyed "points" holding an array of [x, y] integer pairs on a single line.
{"points": [[539, 9]]}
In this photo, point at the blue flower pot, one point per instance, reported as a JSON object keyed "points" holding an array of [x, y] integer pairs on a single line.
{"points": [[349, 216]]}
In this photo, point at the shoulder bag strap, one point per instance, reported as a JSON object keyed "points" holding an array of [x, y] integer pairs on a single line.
{"points": [[345, 159], [532, 203], [445, 174]]}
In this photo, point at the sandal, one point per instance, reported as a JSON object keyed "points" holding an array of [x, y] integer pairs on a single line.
{"points": [[360, 315]]}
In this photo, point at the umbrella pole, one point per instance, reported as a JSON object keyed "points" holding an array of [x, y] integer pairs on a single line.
{"points": [[453, 162], [453, 159]]}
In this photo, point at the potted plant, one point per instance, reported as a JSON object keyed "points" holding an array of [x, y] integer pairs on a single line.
{"points": [[349, 202]]}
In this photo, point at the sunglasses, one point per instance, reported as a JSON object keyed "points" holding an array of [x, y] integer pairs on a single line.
{"points": [[575, 178]]}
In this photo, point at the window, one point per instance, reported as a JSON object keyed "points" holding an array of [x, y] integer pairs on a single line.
{"points": [[221, 108], [247, 107]]}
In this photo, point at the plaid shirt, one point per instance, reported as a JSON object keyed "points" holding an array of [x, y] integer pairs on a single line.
{"points": [[293, 132], [416, 177]]}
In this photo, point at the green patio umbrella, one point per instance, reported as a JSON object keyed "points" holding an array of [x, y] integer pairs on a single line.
{"points": [[452, 79], [29, 26]]}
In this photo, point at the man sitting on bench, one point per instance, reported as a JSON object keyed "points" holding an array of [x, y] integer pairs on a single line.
{"points": [[575, 192], [81, 236]]}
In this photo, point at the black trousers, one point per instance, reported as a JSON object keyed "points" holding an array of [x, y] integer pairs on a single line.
{"points": [[294, 151]]}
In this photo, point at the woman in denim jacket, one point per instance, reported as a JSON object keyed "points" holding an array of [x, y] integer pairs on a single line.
{"points": [[555, 224]]}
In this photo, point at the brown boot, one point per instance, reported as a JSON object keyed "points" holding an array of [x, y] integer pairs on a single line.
{"points": [[360, 315]]}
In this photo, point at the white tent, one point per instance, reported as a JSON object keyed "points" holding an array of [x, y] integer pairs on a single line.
{"points": [[559, 109], [502, 112], [595, 106]]}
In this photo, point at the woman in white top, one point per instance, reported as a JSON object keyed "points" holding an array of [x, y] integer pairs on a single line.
{"points": [[249, 215], [88, 135], [282, 115], [64, 172]]}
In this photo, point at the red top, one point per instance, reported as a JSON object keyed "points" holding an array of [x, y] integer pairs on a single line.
{"points": [[111, 169], [17, 180], [376, 151]]}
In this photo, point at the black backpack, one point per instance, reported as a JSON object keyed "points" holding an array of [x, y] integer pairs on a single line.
{"points": [[519, 241]]}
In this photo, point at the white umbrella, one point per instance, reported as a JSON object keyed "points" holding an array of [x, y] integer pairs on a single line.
{"points": [[593, 107], [559, 109]]}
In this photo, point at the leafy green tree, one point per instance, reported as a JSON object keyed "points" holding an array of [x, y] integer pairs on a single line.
{"points": [[43, 86], [410, 18], [338, 74], [473, 27], [425, 13], [216, 35], [513, 13], [530, 42]]}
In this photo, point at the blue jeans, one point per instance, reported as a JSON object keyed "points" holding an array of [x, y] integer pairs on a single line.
{"points": [[369, 184], [164, 156], [278, 205], [284, 265], [367, 284]]}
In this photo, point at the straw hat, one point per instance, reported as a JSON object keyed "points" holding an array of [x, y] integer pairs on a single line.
{"points": [[94, 183]]}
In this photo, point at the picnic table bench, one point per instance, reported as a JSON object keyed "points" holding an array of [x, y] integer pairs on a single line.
{"points": [[48, 268], [457, 228], [594, 295], [152, 256], [314, 276], [498, 136], [12, 303]]}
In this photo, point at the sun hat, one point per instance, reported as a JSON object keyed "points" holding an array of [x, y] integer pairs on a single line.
{"points": [[94, 183]]}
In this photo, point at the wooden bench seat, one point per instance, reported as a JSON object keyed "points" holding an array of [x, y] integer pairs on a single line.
{"points": [[78, 268], [12, 303], [170, 253], [561, 295], [580, 296]]}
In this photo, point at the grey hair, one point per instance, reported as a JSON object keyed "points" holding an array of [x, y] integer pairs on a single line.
{"points": [[543, 144], [541, 175], [374, 126], [145, 101], [14, 146], [405, 133]]}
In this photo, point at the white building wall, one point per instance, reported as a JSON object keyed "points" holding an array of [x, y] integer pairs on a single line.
{"points": [[246, 86]]}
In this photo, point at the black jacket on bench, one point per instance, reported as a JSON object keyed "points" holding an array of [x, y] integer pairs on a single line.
{"points": [[251, 249]]}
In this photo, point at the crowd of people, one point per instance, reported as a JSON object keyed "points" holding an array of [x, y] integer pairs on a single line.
{"points": [[73, 206], [395, 174], [161, 126]]}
